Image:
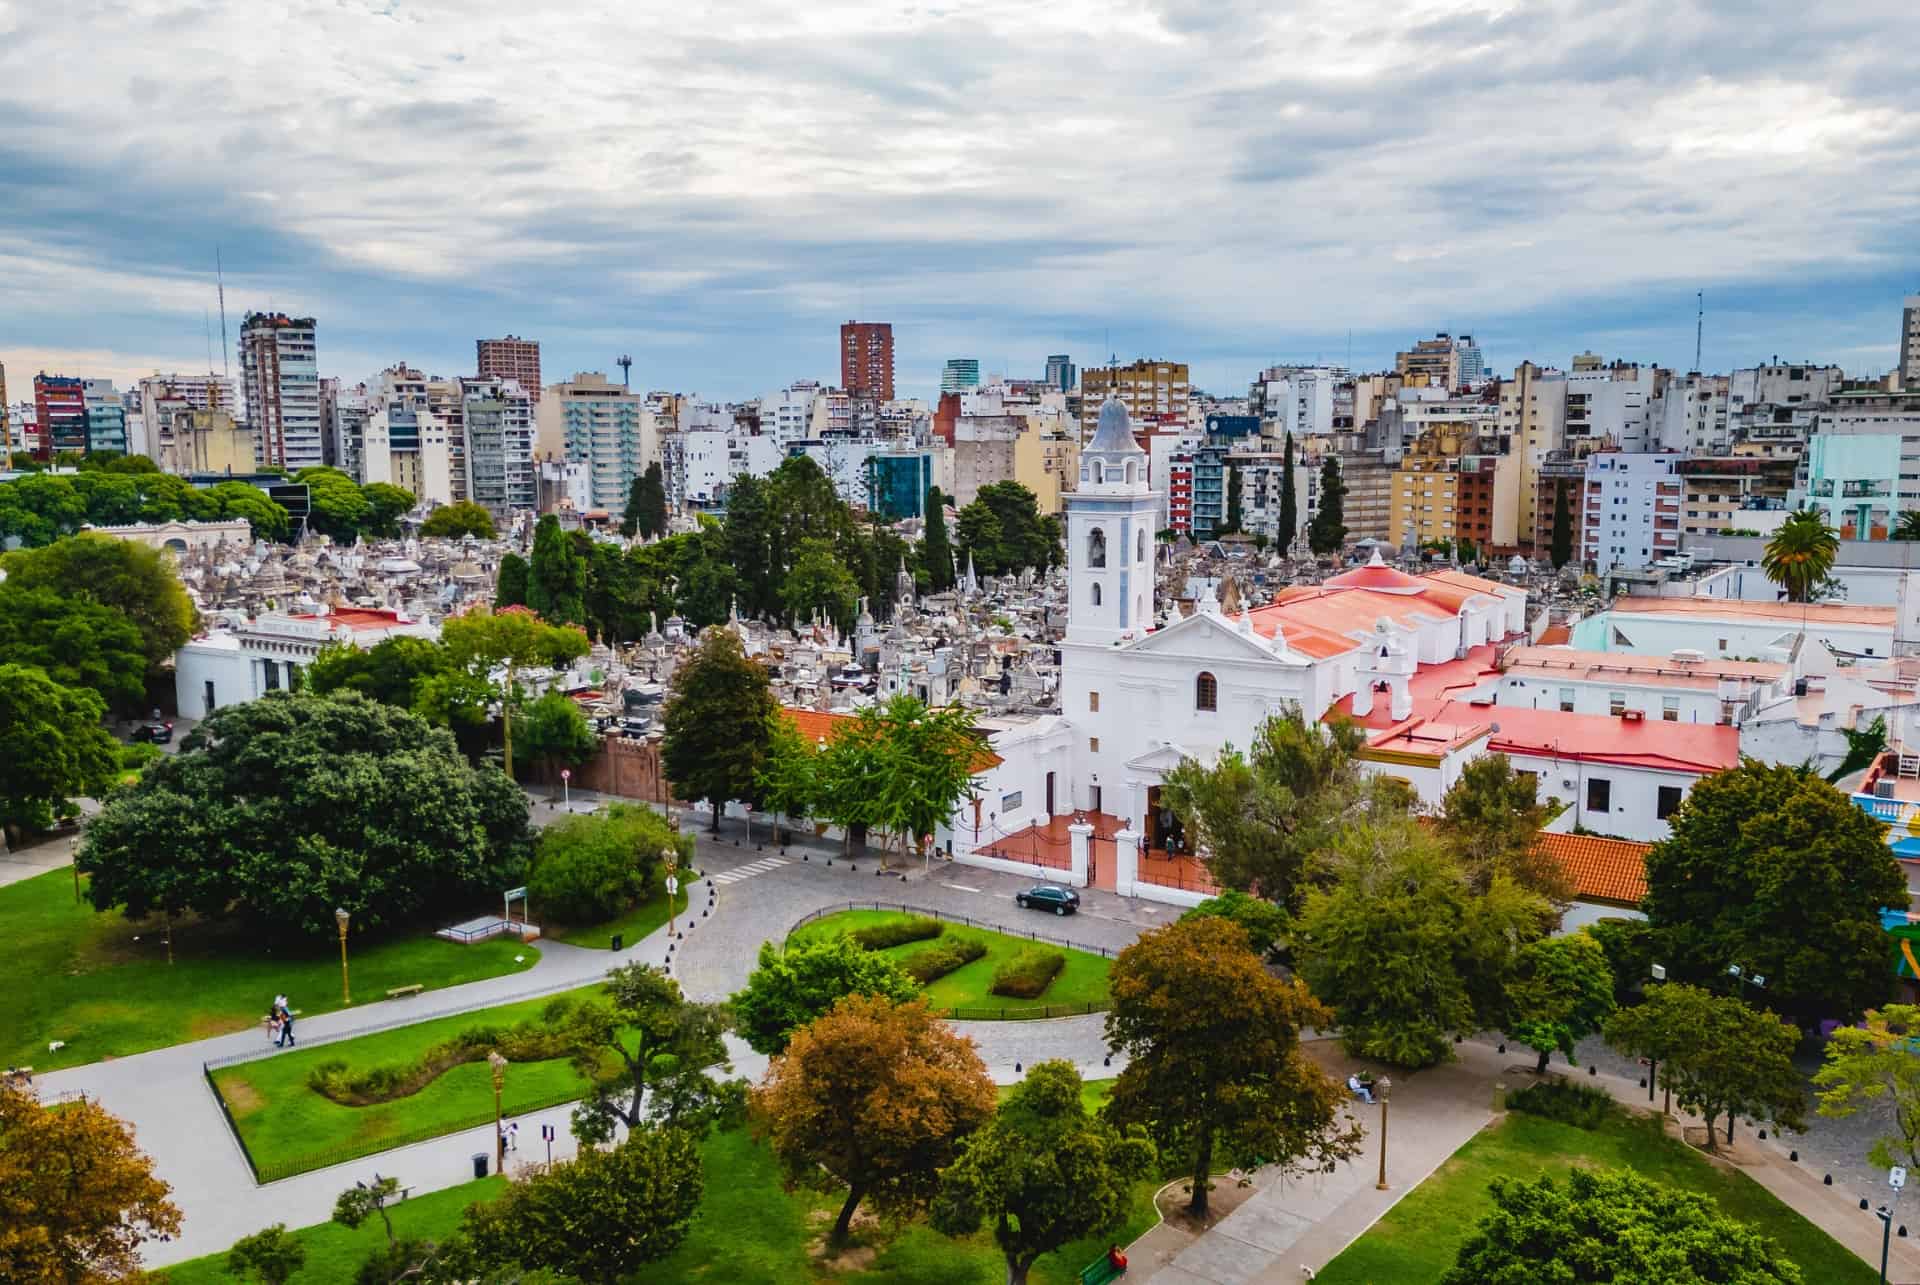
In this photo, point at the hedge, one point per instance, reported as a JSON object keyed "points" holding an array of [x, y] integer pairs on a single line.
{"points": [[897, 932], [530, 1041], [933, 963], [1028, 974], [1579, 1105]]}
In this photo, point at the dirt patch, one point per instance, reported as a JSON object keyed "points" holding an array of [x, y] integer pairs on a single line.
{"points": [[855, 1256], [242, 1098], [204, 1026], [1227, 1195]]}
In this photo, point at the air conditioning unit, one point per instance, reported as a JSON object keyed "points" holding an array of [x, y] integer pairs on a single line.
{"points": [[1633, 715], [1883, 789]]}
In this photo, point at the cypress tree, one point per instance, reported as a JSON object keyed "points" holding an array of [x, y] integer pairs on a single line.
{"points": [[1562, 549], [936, 554], [557, 581], [1289, 507], [511, 588], [1236, 510], [1329, 528], [652, 490]]}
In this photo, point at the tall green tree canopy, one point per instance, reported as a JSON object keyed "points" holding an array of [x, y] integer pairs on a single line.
{"points": [[1561, 992], [1003, 530], [39, 508], [1042, 1173], [338, 506], [817, 582], [1213, 1042], [510, 588], [488, 650], [789, 777], [646, 513], [267, 519], [138, 582], [452, 521], [557, 577], [52, 743], [900, 767], [554, 734], [1775, 870], [650, 1055], [385, 503], [1561, 547], [1327, 533], [1289, 502], [591, 867], [1872, 1068], [716, 723], [1490, 820], [77, 643], [1717, 1055], [390, 671], [1612, 1226], [265, 815], [1800, 554], [936, 554], [793, 986]]}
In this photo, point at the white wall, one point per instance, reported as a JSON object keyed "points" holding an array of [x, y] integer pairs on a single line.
{"points": [[1692, 705], [1632, 810]]}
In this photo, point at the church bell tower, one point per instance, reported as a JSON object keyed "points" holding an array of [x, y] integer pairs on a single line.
{"points": [[1109, 531]]}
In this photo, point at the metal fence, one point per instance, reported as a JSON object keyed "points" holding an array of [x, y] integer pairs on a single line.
{"points": [[1106, 952], [977, 1013]]}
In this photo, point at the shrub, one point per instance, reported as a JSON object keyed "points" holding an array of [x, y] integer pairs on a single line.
{"points": [[1029, 973], [897, 932], [935, 962], [1579, 1105], [591, 868], [531, 1041]]}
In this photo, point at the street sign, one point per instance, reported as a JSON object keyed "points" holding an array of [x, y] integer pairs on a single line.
{"points": [[1896, 1177], [566, 774], [521, 891], [546, 1133]]}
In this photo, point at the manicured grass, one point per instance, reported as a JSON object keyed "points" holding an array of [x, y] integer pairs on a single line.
{"points": [[1419, 1237], [334, 1253], [635, 924], [103, 985], [288, 1128], [1093, 1094], [1081, 985]]}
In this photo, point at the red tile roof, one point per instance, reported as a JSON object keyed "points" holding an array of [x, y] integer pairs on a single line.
{"points": [[1609, 870], [1429, 686], [1698, 748]]}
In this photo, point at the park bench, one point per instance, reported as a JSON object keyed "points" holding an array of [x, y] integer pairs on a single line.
{"points": [[1099, 1272], [398, 991]]}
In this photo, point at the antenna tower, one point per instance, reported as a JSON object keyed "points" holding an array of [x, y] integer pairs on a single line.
{"points": [[626, 371], [220, 276], [1699, 326]]}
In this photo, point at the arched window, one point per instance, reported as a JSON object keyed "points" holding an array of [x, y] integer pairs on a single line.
{"points": [[1099, 471], [1096, 595], [1206, 692], [1140, 547], [1097, 548], [1131, 468]]}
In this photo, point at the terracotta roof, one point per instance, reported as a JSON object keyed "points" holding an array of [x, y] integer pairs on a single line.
{"points": [[1609, 870], [1555, 636], [1698, 748], [1375, 575], [1602, 666], [817, 725], [1429, 686], [358, 618], [1461, 580], [1829, 613]]}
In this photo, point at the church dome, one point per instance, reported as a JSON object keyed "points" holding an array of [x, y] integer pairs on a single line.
{"points": [[1115, 432], [1378, 576]]}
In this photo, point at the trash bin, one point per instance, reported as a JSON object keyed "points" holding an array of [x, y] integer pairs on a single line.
{"points": [[619, 941], [479, 1164]]}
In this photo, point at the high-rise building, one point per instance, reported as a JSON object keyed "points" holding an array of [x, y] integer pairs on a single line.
{"points": [[158, 400], [405, 442], [344, 414], [1910, 343], [592, 421], [1441, 362], [281, 376], [106, 416], [60, 408], [510, 358], [866, 359], [498, 418], [1632, 509], [1154, 392], [960, 374], [7, 445], [1060, 372], [1473, 362]]}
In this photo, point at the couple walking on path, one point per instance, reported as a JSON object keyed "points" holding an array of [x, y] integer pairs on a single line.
{"points": [[280, 1023]]}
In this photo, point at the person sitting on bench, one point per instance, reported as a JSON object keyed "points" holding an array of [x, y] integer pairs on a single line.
{"points": [[1361, 1089], [1116, 1259]]}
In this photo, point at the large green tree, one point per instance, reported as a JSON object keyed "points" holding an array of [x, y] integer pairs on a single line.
{"points": [[646, 513], [1561, 992], [1775, 870], [266, 518], [1716, 1054], [981, 541], [600, 1217], [1260, 817], [592, 867], [281, 809], [77, 643], [557, 576], [38, 509], [138, 582], [649, 1054], [789, 778], [488, 650], [900, 768], [1214, 1058], [1872, 1068], [554, 734], [817, 582], [452, 521], [390, 671], [1042, 1173], [338, 507], [510, 588], [1405, 950], [53, 745], [385, 504], [1561, 548], [716, 723], [1490, 819], [1800, 554], [793, 986], [1612, 1226], [1327, 533], [936, 554], [1235, 520]]}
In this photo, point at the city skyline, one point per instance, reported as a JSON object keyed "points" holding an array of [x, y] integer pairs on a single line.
{"points": [[1348, 182]]}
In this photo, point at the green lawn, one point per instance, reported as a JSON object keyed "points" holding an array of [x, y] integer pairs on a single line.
{"points": [[1080, 986], [1419, 1237], [102, 984], [335, 1253], [633, 925], [288, 1128], [748, 1229], [1093, 1094]]}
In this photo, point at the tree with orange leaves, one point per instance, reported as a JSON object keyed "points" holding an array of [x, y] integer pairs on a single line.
{"points": [[77, 1198], [1213, 1040], [876, 1095]]}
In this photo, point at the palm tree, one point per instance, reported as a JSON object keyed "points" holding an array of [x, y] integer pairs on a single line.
{"points": [[1908, 528], [1801, 554]]}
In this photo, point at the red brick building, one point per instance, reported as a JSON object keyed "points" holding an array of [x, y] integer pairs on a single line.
{"points": [[511, 358], [866, 359]]}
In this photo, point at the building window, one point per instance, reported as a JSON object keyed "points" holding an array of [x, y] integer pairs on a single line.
{"points": [[1206, 692], [1670, 709], [1669, 802], [1616, 703], [271, 674], [1093, 702], [1096, 548], [1566, 700], [1599, 794], [1096, 595], [1140, 546], [1093, 745]]}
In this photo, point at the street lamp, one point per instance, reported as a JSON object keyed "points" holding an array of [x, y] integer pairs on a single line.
{"points": [[671, 859], [340, 917], [1381, 1087], [499, 1067]]}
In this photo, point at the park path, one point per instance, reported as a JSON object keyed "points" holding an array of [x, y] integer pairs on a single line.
{"points": [[177, 1120]]}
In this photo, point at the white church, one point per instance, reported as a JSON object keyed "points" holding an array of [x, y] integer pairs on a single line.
{"points": [[1074, 797]]}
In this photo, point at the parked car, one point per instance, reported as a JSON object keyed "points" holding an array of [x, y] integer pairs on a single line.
{"points": [[1048, 896], [157, 733]]}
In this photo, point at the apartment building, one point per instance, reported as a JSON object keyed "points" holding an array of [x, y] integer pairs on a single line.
{"points": [[1533, 419], [1152, 390], [960, 374], [866, 358], [1718, 491], [1607, 404], [1442, 362], [1689, 414], [511, 358], [592, 421], [1296, 399], [60, 409], [280, 375], [1631, 517], [498, 420], [1909, 368]]}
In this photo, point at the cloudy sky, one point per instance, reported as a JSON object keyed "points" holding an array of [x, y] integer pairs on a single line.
{"points": [[712, 188]]}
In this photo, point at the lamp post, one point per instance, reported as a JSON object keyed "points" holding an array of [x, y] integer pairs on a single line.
{"points": [[346, 996], [1382, 1086], [498, 1065], [672, 861]]}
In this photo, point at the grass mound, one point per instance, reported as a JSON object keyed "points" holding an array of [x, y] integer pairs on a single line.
{"points": [[889, 933], [935, 962], [1028, 974], [1579, 1105], [536, 1040]]}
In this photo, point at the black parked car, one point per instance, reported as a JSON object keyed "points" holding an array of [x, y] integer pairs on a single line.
{"points": [[1048, 896], [159, 733]]}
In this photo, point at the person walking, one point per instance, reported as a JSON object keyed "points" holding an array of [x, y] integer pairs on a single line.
{"points": [[286, 1027], [274, 1029], [513, 1136]]}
